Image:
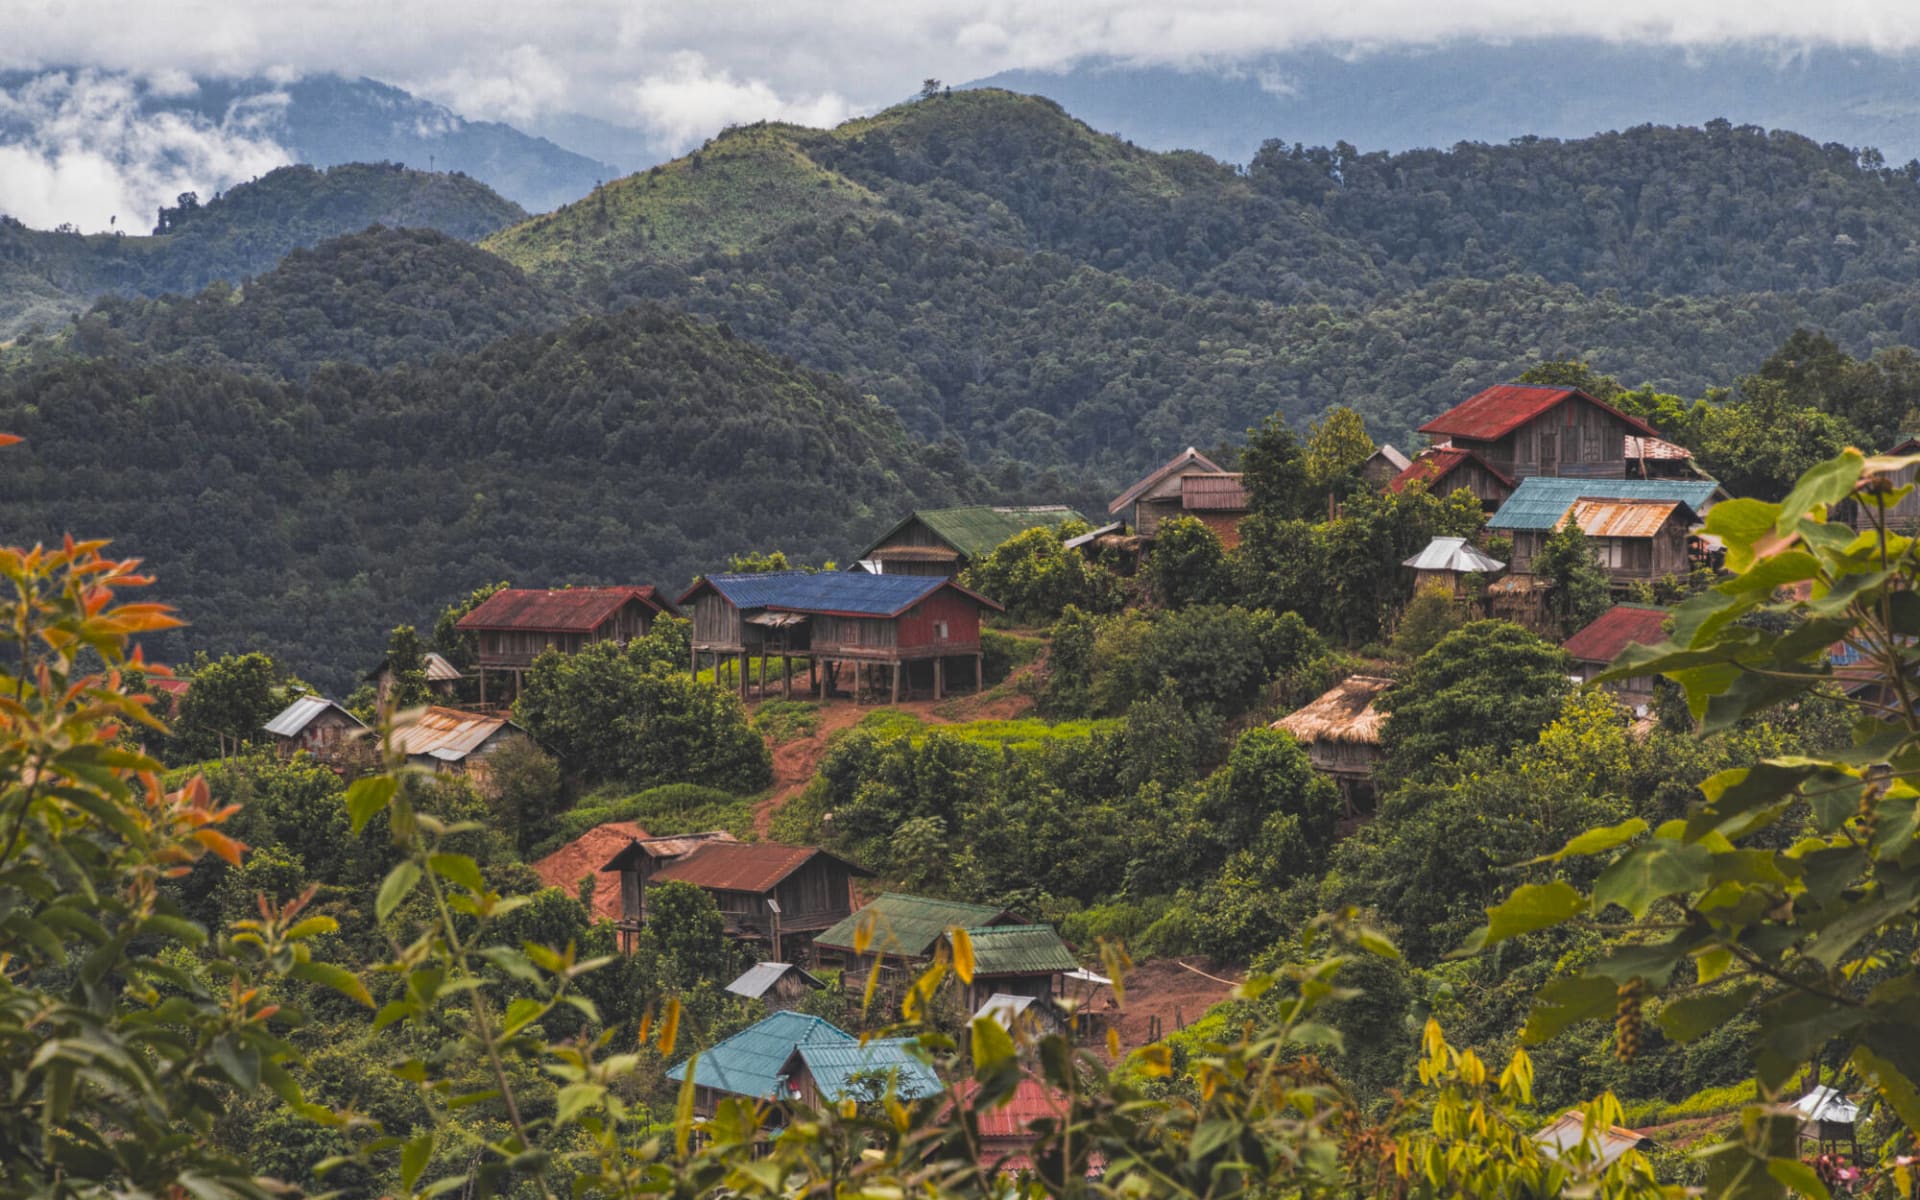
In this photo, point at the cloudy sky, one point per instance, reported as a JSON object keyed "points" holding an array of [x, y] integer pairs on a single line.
{"points": [[680, 71]]}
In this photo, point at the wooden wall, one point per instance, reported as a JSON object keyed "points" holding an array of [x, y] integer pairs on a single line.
{"points": [[1574, 439]]}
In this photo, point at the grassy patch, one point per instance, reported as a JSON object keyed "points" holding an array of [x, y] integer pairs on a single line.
{"points": [[1019, 734], [662, 811], [787, 720], [1709, 1102]]}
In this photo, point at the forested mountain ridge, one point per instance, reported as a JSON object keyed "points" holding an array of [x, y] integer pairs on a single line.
{"points": [[311, 518], [45, 276], [377, 299]]}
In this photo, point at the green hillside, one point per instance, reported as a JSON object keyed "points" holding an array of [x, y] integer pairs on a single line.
{"points": [[312, 518], [45, 275]]}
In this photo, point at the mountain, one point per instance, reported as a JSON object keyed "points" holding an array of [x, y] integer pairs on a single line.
{"points": [[47, 276], [319, 120], [310, 518], [1402, 98], [1003, 275]]}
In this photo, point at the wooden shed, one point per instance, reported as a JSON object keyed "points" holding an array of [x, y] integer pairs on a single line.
{"points": [[1383, 464], [1522, 430], [1635, 539], [514, 626], [1448, 560], [1539, 505], [754, 1062], [777, 985], [453, 741], [1602, 640], [893, 625], [1341, 731], [1903, 517], [897, 935], [945, 541], [1160, 493], [1014, 960], [1444, 470], [442, 677], [631, 863], [778, 896], [313, 724], [1218, 501]]}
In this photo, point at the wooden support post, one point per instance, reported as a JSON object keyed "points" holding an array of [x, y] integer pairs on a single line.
{"points": [[896, 682], [813, 677], [979, 673], [939, 678], [786, 675], [483, 688], [743, 674], [696, 662], [763, 687]]}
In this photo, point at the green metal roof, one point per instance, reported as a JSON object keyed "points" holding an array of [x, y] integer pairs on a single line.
{"points": [[867, 1072], [752, 1062], [906, 926], [1019, 950], [1541, 500], [978, 529]]}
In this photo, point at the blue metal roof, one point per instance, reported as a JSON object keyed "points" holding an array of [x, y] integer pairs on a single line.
{"points": [[867, 1071], [854, 592], [751, 1062], [1541, 500]]}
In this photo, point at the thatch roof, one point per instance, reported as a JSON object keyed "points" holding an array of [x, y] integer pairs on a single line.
{"points": [[1345, 714]]}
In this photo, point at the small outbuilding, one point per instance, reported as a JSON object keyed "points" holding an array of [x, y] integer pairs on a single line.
{"points": [[1562, 1139], [1161, 493], [1443, 470], [452, 741], [631, 862], [1448, 560], [778, 985], [945, 541], [514, 626], [584, 858], [1015, 960], [754, 1062], [828, 1072], [443, 678], [1341, 731], [1383, 464], [1602, 640], [314, 724], [773, 895], [1635, 540], [1539, 506], [1829, 1120]]}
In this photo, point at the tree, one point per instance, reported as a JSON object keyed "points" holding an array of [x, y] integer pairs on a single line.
{"points": [[1758, 445], [1186, 564], [690, 935], [1274, 471], [524, 790], [755, 562], [1577, 588], [929, 88], [454, 644], [1487, 684], [1037, 578], [228, 702], [1432, 614], [1336, 446], [407, 666]]}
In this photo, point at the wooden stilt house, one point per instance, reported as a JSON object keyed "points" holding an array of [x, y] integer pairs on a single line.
{"points": [[873, 628], [1341, 731], [517, 625]]}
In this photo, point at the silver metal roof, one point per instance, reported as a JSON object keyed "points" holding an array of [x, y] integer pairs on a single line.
{"points": [[301, 713], [760, 978], [1452, 554], [1074, 543], [1004, 1008]]}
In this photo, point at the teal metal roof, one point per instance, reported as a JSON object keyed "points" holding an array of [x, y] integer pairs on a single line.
{"points": [[907, 926], [1019, 950], [753, 1062], [1541, 500], [978, 529], [869, 1071]]}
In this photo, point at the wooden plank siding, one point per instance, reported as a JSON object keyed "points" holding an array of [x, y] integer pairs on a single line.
{"points": [[502, 648], [1573, 439]]}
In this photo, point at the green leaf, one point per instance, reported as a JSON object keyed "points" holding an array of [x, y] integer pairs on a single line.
{"points": [[414, 1157], [574, 1099], [1533, 906], [1566, 1001], [1827, 483], [460, 869], [336, 977], [367, 795], [399, 882], [1597, 841], [1739, 524], [240, 1063], [992, 1045], [1647, 872], [1696, 1016], [1799, 1177]]}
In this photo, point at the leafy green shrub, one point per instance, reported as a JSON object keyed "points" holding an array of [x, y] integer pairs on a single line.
{"points": [[1036, 577], [1003, 653], [664, 811]]}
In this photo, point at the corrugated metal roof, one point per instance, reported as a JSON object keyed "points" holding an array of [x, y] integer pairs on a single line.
{"points": [[907, 925], [1345, 713], [1499, 410], [753, 1062], [759, 979], [558, 610], [1074, 543], [743, 866], [301, 713], [1213, 493], [854, 593], [1004, 1008], [1623, 518], [1393, 457], [1032, 1100], [660, 848], [447, 734], [1610, 1142], [1541, 500], [914, 554], [977, 530], [1623, 625], [1187, 459], [1452, 554], [1019, 950], [587, 855], [867, 1071], [438, 669], [1430, 467], [1636, 447]]}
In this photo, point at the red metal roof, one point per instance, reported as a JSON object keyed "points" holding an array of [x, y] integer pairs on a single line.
{"points": [[1431, 466], [1222, 492], [561, 610], [1612, 631], [1501, 409], [584, 856], [741, 866]]}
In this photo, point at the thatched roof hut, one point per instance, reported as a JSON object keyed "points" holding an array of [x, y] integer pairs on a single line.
{"points": [[1341, 731]]}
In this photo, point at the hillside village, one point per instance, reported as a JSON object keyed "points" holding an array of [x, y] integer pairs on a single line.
{"points": [[1527, 475]]}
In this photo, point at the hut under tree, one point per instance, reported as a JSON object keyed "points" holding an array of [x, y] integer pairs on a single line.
{"points": [[1829, 1120], [442, 677], [1444, 470], [1447, 561], [1341, 731], [946, 541], [1595, 647], [768, 894], [314, 724], [778, 985], [1383, 464]]}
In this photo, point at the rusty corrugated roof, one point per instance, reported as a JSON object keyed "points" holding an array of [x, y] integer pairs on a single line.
{"points": [[557, 610], [1623, 625], [1186, 459], [1503, 408], [584, 856], [1637, 448], [447, 734], [1622, 518], [742, 866], [1431, 466], [1223, 492], [664, 847]]}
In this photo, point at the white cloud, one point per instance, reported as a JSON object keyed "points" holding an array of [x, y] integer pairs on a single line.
{"points": [[688, 101], [81, 151]]}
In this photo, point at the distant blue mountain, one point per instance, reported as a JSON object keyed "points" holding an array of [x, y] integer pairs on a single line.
{"points": [[1468, 91]]}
